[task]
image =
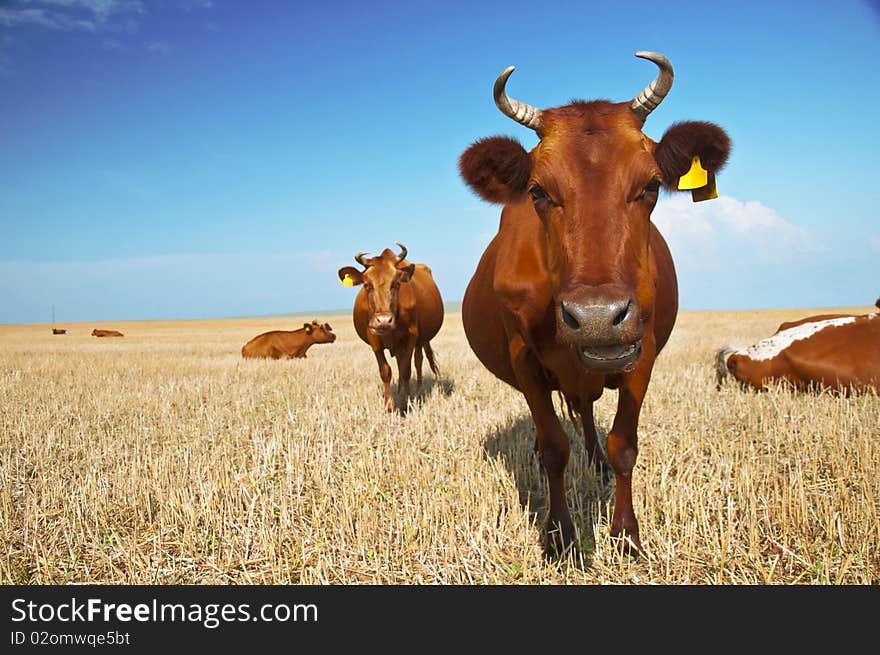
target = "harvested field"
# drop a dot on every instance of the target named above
(164, 457)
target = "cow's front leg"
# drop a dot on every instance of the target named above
(552, 445)
(385, 374)
(623, 448)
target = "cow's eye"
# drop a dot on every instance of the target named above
(368, 286)
(651, 188)
(538, 194)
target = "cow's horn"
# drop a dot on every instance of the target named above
(359, 258)
(518, 111)
(402, 254)
(653, 94)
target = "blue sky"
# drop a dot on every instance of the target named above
(210, 158)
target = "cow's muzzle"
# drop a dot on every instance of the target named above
(381, 322)
(604, 324)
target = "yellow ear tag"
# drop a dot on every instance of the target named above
(707, 192)
(347, 281)
(694, 178)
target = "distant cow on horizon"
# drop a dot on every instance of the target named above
(59, 331)
(288, 344)
(837, 352)
(106, 333)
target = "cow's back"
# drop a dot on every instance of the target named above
(257, 347)
(809, 319)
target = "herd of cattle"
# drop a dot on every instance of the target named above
(577, 291)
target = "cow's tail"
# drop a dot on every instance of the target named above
(721, 365)
(432, 358)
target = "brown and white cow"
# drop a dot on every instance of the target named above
(106, 333)
(399, 309)
(835, 352)
(288, 344)
(577, 291)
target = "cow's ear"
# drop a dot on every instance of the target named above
(308, 327)
(682, 142)
(406, 272)
(497, 169)
(350, 276)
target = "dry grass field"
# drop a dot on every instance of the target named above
(163, 457)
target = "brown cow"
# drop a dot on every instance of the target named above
(834, 352)
(59, 331)
(399, 309)
(577, 291)
(106, 333)
(288, 344)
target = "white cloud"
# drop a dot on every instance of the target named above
(68, 15)
(100, 9)
(43, 18)
(706, 234)
(96, 16)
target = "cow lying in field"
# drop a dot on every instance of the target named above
(59, 331)
(106, 333)
(837, 352)
(288, 344)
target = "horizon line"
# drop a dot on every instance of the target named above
(450, 307)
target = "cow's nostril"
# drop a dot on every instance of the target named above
(569, 319)
(621, 317)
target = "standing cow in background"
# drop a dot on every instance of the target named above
(288, 344)
(577, 291)
(398, 309)
(834, 352)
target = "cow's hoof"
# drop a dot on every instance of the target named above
(559, 539)
(628, 544)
